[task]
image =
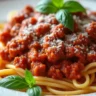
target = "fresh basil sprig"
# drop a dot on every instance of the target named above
(58, 7)
(17, 82)
(58, 3)
(46, 6)
(74, 6)
(35, 91)
(64, 17)
(29, 78)
(13, 82)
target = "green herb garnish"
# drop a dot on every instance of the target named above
(35, 91)
(62, 10)
(64, 17)
(17, 83)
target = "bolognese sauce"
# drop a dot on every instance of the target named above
(41, 44)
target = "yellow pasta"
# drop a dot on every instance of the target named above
(5, 72)
(49, 86)
(68, 88)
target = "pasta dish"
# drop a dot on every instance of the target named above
(62, 61)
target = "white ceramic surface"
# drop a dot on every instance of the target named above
(9, 5)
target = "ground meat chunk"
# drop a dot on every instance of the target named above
(54, 48)
(92, 15)
(32, 20)
(18, 18)
(29, 8)
(51, 19)
(55, 52)
(16, 46)
(55, 72)
(34, 55)
(48, 41)
(15, 29)
(38, 69)
(29, 21)
(76, 27)
(21, 62)
(91, 57)
(4, 54)
(42, 28)
(35, 45)
(81, 40)
(76, 53)
(80, 14)
(92, 46)
(23, 14)
(72, 71)
(5, 34)
(58, 31)
(91, 29)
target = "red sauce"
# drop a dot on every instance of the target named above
(44, 46)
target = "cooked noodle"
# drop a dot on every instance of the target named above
(57, 87)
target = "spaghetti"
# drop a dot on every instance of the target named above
(82, 77)
(68, 88)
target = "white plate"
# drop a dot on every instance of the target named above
(9, 5)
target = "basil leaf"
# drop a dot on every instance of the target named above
(74, 6)
(58, 3)
(13, 82)
(46, 6)
(35, 91)
(65, 17)
(29, 78)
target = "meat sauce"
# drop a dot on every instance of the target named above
(41, 44)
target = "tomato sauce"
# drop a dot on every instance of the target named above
(41, 44)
